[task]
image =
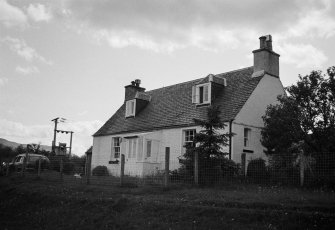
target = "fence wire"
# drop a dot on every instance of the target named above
(312, 170)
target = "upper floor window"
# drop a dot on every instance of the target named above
(201, 94)
(130, 108)
(116, 147)
(189, 137)
(247, 136)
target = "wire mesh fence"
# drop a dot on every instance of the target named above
(312, 170)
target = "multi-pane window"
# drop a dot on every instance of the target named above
(130, 108)
(132, 148)
(247, 133)
(201, 93)
(189, 137)
(149, 143)
(116, 148)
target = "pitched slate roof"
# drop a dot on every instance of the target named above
(172, 106)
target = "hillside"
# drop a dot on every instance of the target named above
(14, 144)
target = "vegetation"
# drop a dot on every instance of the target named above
(257, 170)
(100, 170)
(38, 204)
(302, 126)
(307, 114)
(207, 144)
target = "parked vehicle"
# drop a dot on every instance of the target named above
(32, 163)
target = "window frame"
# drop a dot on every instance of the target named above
(131, 148)
(185, 135)
(148, 150)
(200, 89)
(116, 147)
(130, 108)
(246, 137)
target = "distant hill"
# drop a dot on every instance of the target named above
(14, 144)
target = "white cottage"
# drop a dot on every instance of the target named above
(149, 121)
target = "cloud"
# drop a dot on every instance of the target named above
(210, 25)
(11, 15)
(3, 81)
(82, 137)
(27, 70)
(24, 51)
(302, 55)
(315, 22)
(39, 12)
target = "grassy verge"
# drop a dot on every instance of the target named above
(37, 204)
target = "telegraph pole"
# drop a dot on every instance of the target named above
(55, 130)
(70, 143)
(56, 120)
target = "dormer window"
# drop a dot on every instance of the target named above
(201, 94)
(130, 108)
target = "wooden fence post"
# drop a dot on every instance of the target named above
(122, 169)
(196, 168)
(39, 167)
(302, 172)
(61, 168)
(88, 168)
(167, 166)
(7, 169)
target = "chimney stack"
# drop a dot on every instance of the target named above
(265, 60)
(132, 89)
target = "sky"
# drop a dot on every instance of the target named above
(72, 59)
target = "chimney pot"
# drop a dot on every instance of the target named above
(132, 89)
(262, 42)
(137, 82)
(265, 60)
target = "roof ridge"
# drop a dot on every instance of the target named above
(195, 80)
(233, 71)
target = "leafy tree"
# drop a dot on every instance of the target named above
(6, 153)
(207, 144)
(305, 117)
(306, 114)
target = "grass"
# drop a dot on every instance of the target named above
(32, 203)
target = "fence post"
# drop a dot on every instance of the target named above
(61, 168)
(39, 167)
(196, 168)
(7, 169)
(122, 169)
(88, 168)
(167, 166)
(302, 172)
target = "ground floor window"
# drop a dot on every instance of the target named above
(116, 148)
(189, 135)
(132, 148)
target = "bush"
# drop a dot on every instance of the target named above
(257, 170)
(100, 170)
(229, 168)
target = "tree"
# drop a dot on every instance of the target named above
(305, 117)
(208, 145)
(306, 114)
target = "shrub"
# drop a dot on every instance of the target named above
(229, 168)
(100, 170)
(257, 170)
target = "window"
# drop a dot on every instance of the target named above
(130, 108)
(132, 148)
(247, 133)
(189, 137)
(116, 148)
(201, 94)
(149, 143)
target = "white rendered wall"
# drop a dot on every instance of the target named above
(250, 116)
